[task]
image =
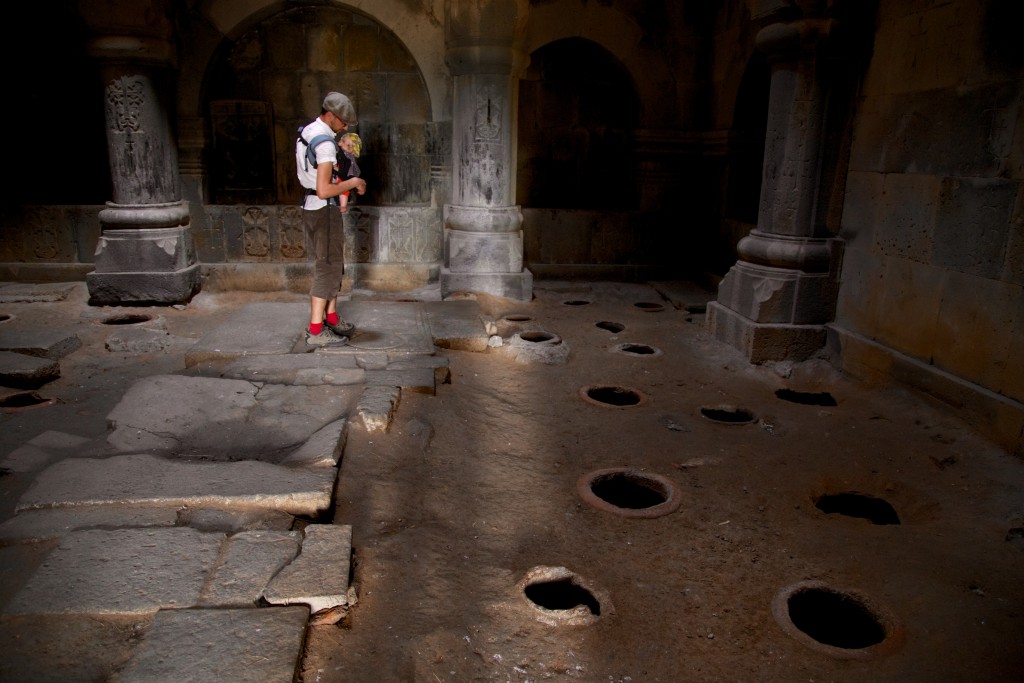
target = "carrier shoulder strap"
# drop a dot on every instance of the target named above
(311, 146)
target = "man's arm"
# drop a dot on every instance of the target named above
(326, 190)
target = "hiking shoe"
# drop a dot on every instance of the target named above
(325, 338)
(343, 328)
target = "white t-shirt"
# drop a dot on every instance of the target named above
(325, 153)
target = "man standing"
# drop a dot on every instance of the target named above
(322, 221)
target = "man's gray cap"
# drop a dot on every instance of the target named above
(340, 106)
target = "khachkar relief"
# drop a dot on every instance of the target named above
(293, 239)
(125, 99)
(487, 118)
(255, 233)
(484, 166)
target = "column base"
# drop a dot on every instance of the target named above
(143, 287)
(518, 286)
(764, 342)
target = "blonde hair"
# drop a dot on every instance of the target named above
(357, 142)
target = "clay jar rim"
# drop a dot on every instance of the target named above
(891, 625)
(584, 393)
(671, 503)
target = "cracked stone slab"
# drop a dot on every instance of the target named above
(31, 293)
(21, 371)
(31, 526)
(39, 450)
(318, 577)
(323, 449)
(66, 647)
(234, 521)
(247, 562)
(123, 571)
(421, 380)
(137, 340)
(42, 342)
(456, 325)
(297, 368)
(377, 405)
(221, 418)
(259, 328)
(217, 645)
(143, 479)
(384, 327)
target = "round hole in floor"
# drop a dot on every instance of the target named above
(613, 396)
(4, 317)
(127, 319)
(576, 302)
(629, 492)
(849, 504)
(16, 403)
(726, 414)
(807, 398)
(540, 337)
(560, 596)
(517, 318)
(614, 328)
(839, 623)
(649, 306)
(636, 350)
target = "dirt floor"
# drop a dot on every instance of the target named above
(483, 553)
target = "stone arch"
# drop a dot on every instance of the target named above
(268, 79)
(578, 113)
(745, 157)
(620, 35)
(424, 40)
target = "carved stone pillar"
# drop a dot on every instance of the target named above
(483, 237)
(145, 253)
(775, 301)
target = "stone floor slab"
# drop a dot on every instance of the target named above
(456, 325)
(150, 480)
(226, 419)
(30, 526)
(42, 342)
(323, 449)
(124, 571)
(261, 328)
(214, 646)
(26, 372)
(318, 577)
(247, 562)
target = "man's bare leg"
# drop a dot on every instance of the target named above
(318, 307)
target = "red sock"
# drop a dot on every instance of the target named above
(316, 329)
(332, 318)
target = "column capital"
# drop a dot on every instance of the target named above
(784, 41)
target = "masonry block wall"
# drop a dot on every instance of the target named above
(934, 210)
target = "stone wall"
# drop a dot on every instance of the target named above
(933, 277)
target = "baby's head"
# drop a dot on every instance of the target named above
(351, 143)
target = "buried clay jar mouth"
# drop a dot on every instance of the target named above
(18, 403)
(560, 597)
(629, 492)
(610, 396)
(839, 623)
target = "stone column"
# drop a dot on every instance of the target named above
(145, 253)
(483, 237)
(775, 301)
